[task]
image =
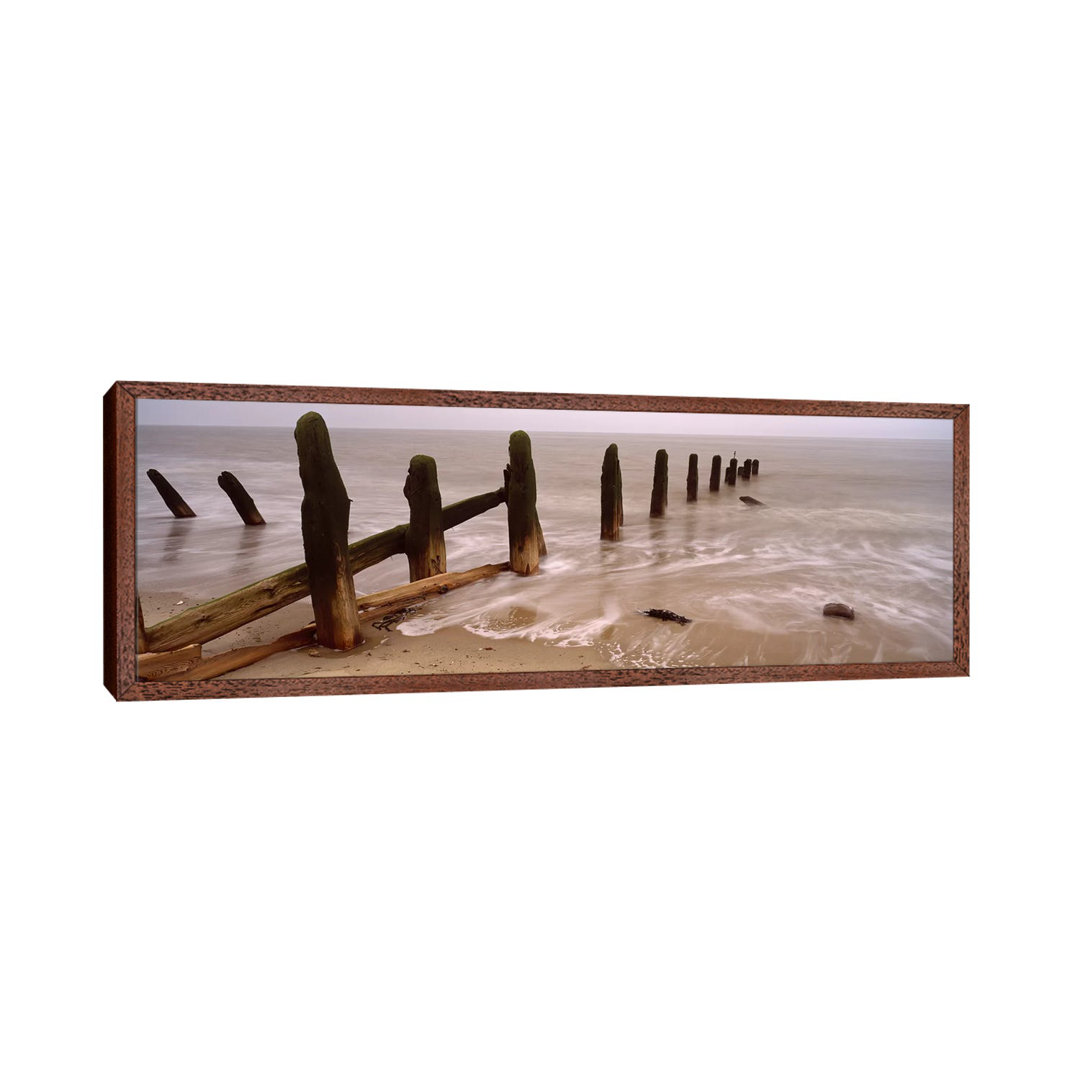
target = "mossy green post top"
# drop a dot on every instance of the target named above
(526, 539)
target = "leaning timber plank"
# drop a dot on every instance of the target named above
(377, 606)
(156, 666)
(224, 614)
(432, 586)
(238, 658)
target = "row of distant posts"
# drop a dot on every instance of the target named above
(611, 495)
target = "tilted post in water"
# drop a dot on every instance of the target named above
(746, 470)
(171, 496)
(324, 521)
(244, 503)
(523, 523)
(659, 485)
(732, 472)
(691, 479)
(610, 494)
(425, 544)
(754, 467)
(714, 475)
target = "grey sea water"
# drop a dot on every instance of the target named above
(866, 522)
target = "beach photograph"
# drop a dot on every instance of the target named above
(292, 540)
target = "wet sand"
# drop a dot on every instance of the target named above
(384, 652)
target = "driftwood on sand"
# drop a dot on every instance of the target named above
(667, 616)
(156, 667)
(225, 662)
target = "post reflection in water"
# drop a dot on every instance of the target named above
(174, 542)
(250, 539)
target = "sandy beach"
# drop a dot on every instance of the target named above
(384, 652)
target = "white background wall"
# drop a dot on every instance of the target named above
(830, 201)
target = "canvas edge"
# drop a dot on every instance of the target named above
(961, 540)
(537, 680)
(119, 546)
(515, 399)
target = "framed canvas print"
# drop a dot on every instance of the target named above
(283, 540)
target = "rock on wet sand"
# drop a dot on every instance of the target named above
(841, 611)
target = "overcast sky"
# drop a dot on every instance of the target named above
(431, 417)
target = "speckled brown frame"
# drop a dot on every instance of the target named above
(119, 547)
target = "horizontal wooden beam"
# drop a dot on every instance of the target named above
(462, 511)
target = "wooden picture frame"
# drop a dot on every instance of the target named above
(122, 626)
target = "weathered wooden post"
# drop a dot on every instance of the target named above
(732, 472)
(244, 503)
(324, 522)
(691, 479)
(618, 488)
(714, 475)
(610, 494)
(746, 469)
(659, 485)
(171, 496)
(526, 538)
(425, 544)
(754, 467)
